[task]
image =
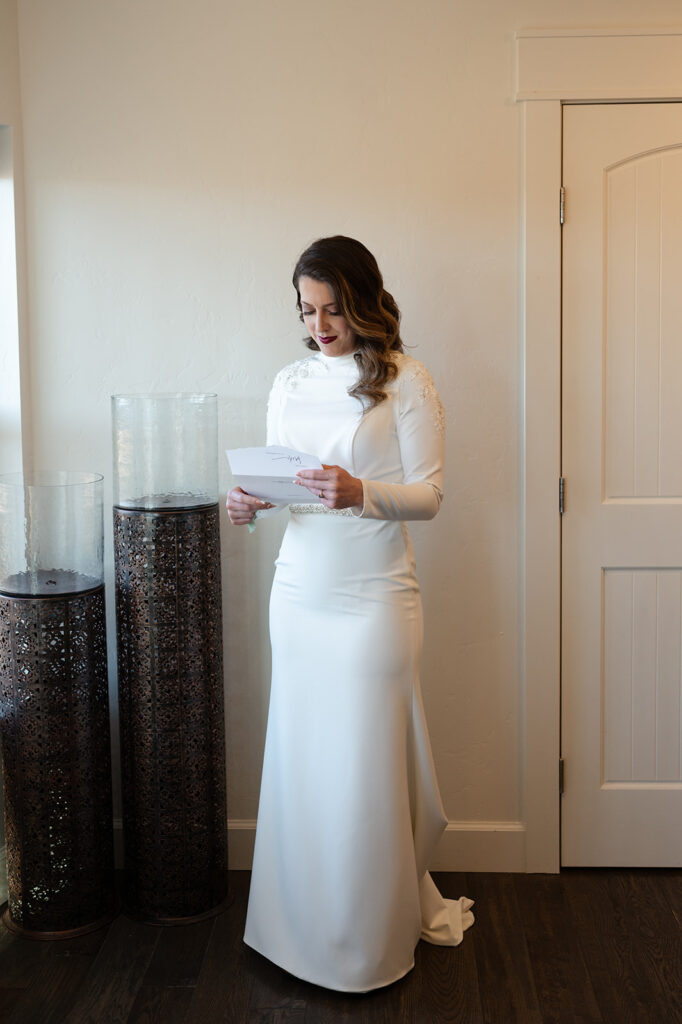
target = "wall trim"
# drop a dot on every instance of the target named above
(599, 64)
(465, 846)
(590, 33)
(553, 68)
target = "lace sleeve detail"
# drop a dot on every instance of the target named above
(422, 392)
(288, 378)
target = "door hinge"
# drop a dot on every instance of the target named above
(561, 776)
(562, 493)
(562, 204)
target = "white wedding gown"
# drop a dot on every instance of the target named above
(349, 810)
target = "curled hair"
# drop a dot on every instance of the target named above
(354, 277)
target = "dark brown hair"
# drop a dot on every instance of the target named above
(353, 275)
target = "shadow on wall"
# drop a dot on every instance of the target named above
(247, 570)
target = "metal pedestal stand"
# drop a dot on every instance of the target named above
(169, 634)
(54, 722)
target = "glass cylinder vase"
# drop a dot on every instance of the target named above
(54, 704)
(165, 450)
(169, 638)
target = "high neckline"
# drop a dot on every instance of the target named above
(339, 362)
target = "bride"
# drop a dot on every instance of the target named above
(349, 810)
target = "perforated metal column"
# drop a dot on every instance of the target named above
(169, 630)
(54, 723)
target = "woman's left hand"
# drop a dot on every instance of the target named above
(336, 487)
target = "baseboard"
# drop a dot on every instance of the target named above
(481, 846)
(465, 846)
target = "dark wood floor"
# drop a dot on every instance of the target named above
(581, 947)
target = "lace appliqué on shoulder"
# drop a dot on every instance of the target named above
(289, 377)
(426, 393)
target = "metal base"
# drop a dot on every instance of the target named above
(169, 634)
(54, 725)
(69, 933)
(172, 922)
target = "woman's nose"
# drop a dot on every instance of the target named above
(321, 322)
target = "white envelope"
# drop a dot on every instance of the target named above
(268, 473)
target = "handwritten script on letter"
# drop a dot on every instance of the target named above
(263, 473)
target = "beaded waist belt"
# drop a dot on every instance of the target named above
(298, 509)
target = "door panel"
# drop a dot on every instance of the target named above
(622, 461)
(643, 239)
(642, 639)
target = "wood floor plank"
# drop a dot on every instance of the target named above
(326, 1007)
(390, 1004)
(54, 988)
(445, 978)
(10, 998)
(562, 980)
(223, 990)
(650, 897)
(48, 974)
(445, 986)
(83, 945)
(660, 941)
(20, 958)
(110, 986)
(156, 1004)
(545, 949)
(178, 955)
(671, 883)
(275, 994)
(506, 984)
(621, 946)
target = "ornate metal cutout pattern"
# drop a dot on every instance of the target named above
(54, 723)
(169, 631)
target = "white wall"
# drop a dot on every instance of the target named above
(178, 158)
(10, 98)
(11, 247)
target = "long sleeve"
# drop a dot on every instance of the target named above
(420, 425)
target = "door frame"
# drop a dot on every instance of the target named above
(552, 68)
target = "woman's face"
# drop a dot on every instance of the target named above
(321, 316)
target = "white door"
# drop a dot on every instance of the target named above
(621, 730)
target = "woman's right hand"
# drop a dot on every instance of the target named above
(242, 507)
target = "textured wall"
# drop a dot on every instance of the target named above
(10, 99)
(10, 149)
(178, 158)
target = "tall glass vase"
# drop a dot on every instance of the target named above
(54, 705)
(169, 634)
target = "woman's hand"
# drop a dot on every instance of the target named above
(242, 507)
(336, 487)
